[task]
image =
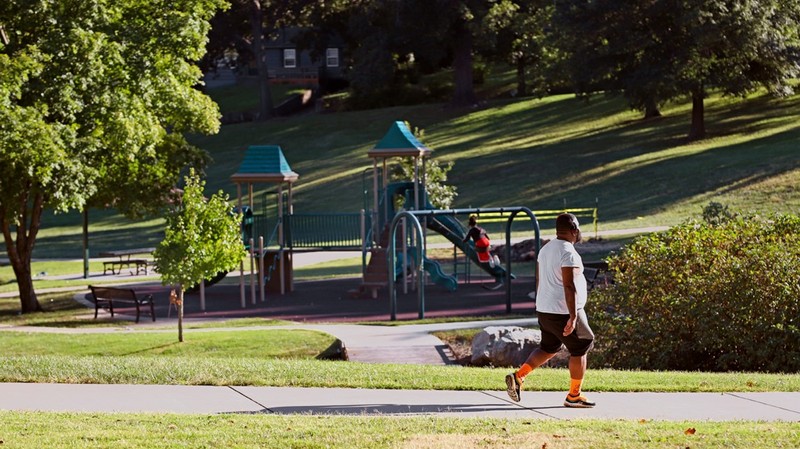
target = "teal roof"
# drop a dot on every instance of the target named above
(264, 163)
(399, 141)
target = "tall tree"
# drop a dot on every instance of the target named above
(202, 238)
(95, 97)
(657, 50)
(518, 32)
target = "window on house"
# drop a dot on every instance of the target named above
(332, 57)
(289, 58)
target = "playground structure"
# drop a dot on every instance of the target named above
(372, 231)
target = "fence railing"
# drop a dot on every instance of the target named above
(325, 230)
(585, 212)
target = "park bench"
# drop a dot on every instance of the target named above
(596, 273)
(124, 260)
(106, 297)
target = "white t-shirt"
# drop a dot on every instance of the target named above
(550, 294)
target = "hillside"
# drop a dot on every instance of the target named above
(539, 153)
(543, 153)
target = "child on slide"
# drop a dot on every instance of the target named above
(482, 243)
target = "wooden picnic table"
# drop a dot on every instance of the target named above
(124, 260)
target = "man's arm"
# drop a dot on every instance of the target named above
(568, 276)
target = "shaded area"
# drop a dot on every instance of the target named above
(329, 301)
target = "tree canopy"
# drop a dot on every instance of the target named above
(95, 97)
(656, 50)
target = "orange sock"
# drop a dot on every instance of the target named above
(575, 387)
(523, 371)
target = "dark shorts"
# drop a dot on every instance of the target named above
(552, 327)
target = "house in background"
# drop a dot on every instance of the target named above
(286, 64)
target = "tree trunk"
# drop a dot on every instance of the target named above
(257, 25)
(522, 86)
(20, 249)
(180, 313)
(698, 128)
(464, 91)
(29, 303)
(651, 109)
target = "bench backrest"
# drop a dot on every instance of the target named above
(113, 293)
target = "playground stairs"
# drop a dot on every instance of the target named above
(376, 275)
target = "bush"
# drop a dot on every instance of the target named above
(703, 296)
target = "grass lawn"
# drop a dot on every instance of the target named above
(222, 353)
(75, 430)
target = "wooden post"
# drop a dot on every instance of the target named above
(252, 273)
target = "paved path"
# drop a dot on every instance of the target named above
(357, 402)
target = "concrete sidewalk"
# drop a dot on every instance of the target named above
(343, 401)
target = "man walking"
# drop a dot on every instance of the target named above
(560, 298)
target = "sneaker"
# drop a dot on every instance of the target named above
(578, 402)
(512, 387)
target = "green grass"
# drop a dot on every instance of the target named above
(220, 353)
(248, 344)
(350, 267)
(54, 430)
(539, 153)
(234, 99)
(294, 372)
(70, 273)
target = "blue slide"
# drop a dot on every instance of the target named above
(434, 269)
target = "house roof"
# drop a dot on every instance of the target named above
(399, 141)
(264, 163)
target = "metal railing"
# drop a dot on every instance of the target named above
(541, 215)
(325, 230)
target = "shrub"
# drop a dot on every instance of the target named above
(702, 296)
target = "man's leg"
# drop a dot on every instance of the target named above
(577, 369)
(514, 380)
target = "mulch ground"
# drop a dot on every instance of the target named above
(331, 301)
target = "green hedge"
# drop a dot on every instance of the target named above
(717, 296)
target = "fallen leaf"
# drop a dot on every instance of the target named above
(172, 427)
(690, 431)
(544, 445)
(644, 421)
(558, 436)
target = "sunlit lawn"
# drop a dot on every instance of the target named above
(94, 430)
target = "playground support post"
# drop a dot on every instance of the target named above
(241, 285)
(363, 224)
(261, 268)
(252, 272)
(532, 216)
(392, 255)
